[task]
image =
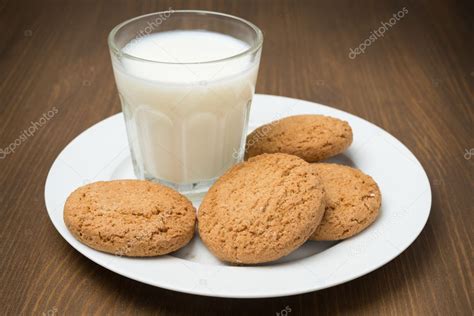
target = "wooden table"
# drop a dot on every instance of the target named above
(416, 82)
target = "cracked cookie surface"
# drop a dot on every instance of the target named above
(353, 201)
(262, 209)
(130, 217)
(311, 137)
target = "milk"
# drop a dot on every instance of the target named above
(186, 123)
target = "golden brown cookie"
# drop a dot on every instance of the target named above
(353, 201)
(262, 209)
(311, 137)
(130, 217)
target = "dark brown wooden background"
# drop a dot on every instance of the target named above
(417, 82)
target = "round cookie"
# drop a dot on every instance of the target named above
(262, 209)
(311, 137)
(130, 217)
(353, 201)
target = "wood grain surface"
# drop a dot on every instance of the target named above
(416, 82)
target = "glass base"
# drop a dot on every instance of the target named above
(193, 191)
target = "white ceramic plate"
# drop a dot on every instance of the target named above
(101, 153)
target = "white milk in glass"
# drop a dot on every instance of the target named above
(186, 118)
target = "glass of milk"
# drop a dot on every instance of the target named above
(186, 81)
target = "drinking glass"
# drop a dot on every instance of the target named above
(186, 120)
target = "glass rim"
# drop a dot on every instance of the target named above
(253, 48)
